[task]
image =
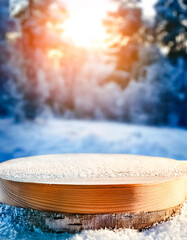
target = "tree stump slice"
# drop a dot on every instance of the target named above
(77, 222)
(92, 191)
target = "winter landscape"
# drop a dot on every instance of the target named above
(93, 77)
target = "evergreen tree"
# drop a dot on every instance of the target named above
(10, 96)
(41, 23)
(171, 32)
(125, 36)
(171, 26)
(123, 27)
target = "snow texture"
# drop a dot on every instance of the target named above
(87, 168)
(57, 136)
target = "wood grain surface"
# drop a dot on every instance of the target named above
(123, 195)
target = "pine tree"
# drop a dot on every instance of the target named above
(9, 91)
(40, 35)
(171, 26)
(124, 30)
(123, 27)
(171, 32)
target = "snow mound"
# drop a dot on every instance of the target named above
(83, 168)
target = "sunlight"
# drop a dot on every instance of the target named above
(84, 26)
(54, 53)
(85, 31)
(55, 56)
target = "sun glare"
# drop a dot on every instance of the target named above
(55, 56)
(84, 27)
(84, 33)
(55, 53)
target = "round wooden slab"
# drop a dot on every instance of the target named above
(95, 184)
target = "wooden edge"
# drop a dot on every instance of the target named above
(183, 165)
(95, 199)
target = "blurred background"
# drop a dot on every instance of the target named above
(65, 63)
(92, 76)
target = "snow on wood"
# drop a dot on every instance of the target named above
(88, 168)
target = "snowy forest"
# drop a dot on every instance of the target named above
(139, 76)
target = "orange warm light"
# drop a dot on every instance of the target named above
(55, 56)
(54, 27)
(83, 26)
(55, 53)
(49, 25)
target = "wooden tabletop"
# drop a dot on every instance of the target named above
(97, 194)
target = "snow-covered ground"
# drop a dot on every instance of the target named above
(72, 136)
(65, 136)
